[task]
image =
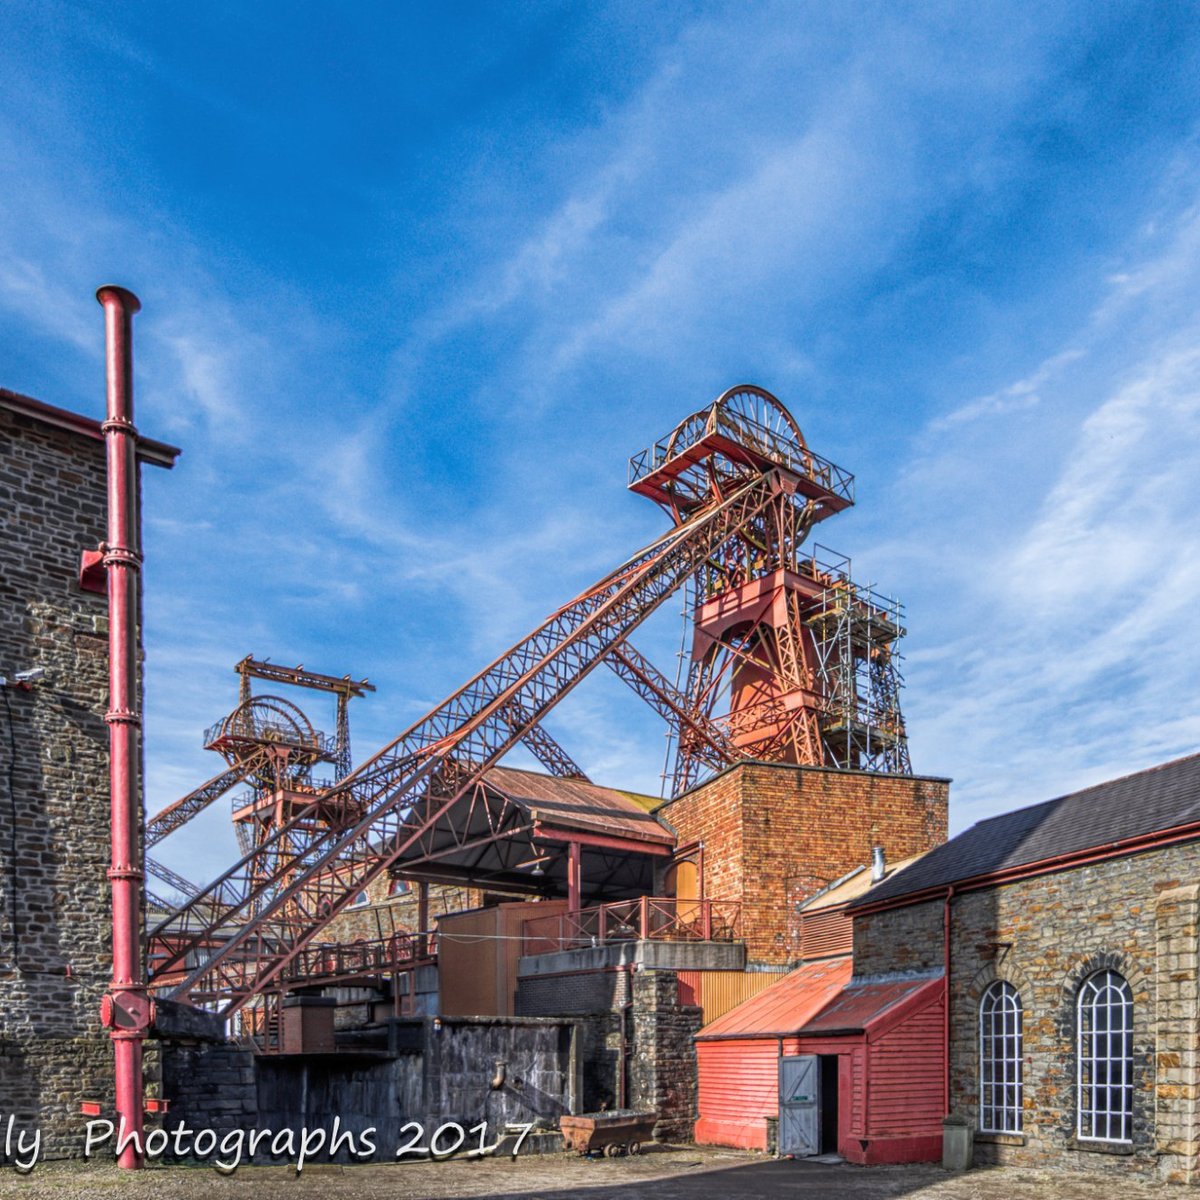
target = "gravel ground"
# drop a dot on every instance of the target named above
(661, 1173)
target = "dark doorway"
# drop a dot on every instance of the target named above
(829, 1103)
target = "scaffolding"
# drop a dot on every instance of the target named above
(855, 631)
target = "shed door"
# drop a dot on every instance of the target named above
(799, 1104)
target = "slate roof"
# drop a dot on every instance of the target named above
(1160, 798)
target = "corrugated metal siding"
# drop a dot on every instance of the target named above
(825, 932)
(907, 1066)
(718, 991)
(786, 1005)
(739, 1088)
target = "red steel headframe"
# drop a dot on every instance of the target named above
(251, 923)
(125, 1010)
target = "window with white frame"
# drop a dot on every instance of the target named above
(1105, 1054)
(1000, 1059)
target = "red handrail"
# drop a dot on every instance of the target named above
(650, 918)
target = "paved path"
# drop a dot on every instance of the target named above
(674, 1173)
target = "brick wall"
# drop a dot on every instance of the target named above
(52, 1050)
(775, 834)
(577, 993)
(1137, 915)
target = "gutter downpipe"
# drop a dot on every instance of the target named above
(126, 1008)
(946, 999)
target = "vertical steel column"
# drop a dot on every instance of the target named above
(574, 877)
(126, 1007)
(423, 917)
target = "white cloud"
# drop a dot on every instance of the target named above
(1025, 393)
(1062, 656)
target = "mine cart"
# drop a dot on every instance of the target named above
(621, 1131)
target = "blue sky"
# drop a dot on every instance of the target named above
(418, 279)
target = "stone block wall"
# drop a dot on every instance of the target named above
(55, 922)
(1137, 915)
(210, 1085)
(899, 940)
(385, 914)
(1177, 1033)
(598, 1001)
(775, 834)
(631, 1023)
(663, 1068)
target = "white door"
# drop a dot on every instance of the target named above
(799, 1105)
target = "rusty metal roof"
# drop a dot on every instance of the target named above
(575, 804)
(865, 1004)
(784, 1007)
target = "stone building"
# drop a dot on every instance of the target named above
(55, 917)
(1068, 935)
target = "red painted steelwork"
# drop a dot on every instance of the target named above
(126, 1007)
(148, 450)
(404, 800)
(790, 660)
(651, 918)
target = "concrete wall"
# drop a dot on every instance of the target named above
(1137, 915)
(774, 835)
(55, 963)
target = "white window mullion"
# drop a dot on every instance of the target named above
(1104, 1075)
(1000, 1059)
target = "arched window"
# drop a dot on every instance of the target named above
(360, 901)
(399, 887)
(1105, 1058)
(1000, 1059)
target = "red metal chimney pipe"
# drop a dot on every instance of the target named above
(125, 1010)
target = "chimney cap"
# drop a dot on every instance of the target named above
(878, 864)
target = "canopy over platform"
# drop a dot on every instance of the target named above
(519, 832)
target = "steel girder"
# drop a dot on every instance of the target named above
(181, 811)
(394, 801)
(164, 874)
(705, 741)
(543, 747)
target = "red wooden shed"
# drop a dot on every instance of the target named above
(877, 1051)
